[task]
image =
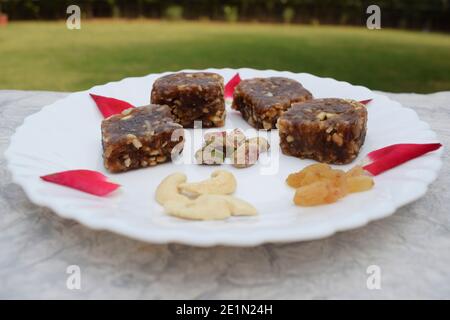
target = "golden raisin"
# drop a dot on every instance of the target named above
(356, 171)
(359, 184)
(308, 175)
(319, 184)
(338, 181)
(317, 167)
(333, 193)
(311, 195)
(294, 180)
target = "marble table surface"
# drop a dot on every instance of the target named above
(411, 249)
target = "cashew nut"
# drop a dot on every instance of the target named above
(212, 203)
(238, 206)
(202, 208)
(168, 189)
(221, 182)
(210, 207)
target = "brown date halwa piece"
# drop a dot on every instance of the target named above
(140, 137)
(262, 100)
(325, 130)
(192, 96)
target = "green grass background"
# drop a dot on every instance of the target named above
(47, 56)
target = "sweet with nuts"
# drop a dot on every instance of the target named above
(140, 137)
(192, 96)
(262, 100)
(325, 130)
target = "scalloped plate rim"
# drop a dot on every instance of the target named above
(175, 236)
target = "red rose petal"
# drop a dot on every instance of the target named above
(365, 102)
(421, 148)
(110, 106)
(229, 87)
(394, 155)
(89, 181)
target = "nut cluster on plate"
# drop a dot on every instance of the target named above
(209, 199)
(243, 151)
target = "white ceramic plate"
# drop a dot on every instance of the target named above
(66, 135)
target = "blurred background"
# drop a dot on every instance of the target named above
(122, 38)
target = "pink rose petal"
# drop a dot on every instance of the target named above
(391, 156)
(110, 106)
(229, 87)
(365, 102)
(88, 181)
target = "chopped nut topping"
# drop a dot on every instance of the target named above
(322, 116)
(338, 139)
(161, 159)
(136, 143)
(126, 118)
(154, 152)
(131, 136)
(127, 111)
(267, 125)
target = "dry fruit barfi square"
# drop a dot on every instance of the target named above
(140, 137)
(196, 96)
(262, 100)
(326, 130)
